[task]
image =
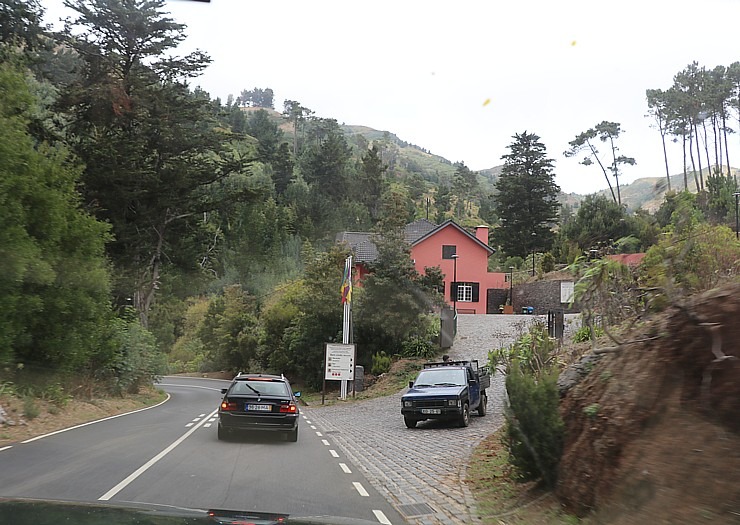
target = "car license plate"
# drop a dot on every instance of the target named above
(262, 408)
(431, 411)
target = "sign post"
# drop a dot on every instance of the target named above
(339, 364)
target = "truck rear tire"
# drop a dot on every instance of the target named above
(465, 416)
(410, 422)
(482, 405)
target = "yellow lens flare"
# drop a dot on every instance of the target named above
(486, 102)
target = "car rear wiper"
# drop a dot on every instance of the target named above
(250, 387)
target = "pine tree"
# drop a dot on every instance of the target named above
(526, 201)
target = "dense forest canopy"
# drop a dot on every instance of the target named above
(142, 218)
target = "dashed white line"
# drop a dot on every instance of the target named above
(201, 415)
(206, 425)
(360, 488)
(325, 442)
(138, 472)
(319, 433)
(345, 468)
(212, 420)
(6, 448)
(190, 424)
(334, 453)
(196, 420)
(307, 421)
(304, 417)
(382, 518)
(313, 427)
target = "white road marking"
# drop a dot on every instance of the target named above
(190, 386)
(325, 442)
(382, 518)
(206, 425)
(96, 421)
(345, 468)
(6, 448)
(313, 427)
(307, 421)
(190, 424)
(196, 420)
(334, 453)
(304, 417)
(360, 488)
(319, 433)
(212, 420)
(138, 472)
(201, 415)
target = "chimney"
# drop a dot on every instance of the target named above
(481, 233)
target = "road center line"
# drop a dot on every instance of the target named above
(325, 442)
(6, 448)
(334, 453)
(319, 433)
(345, 468)
(382, 518)
(360, 488)
(138, 472)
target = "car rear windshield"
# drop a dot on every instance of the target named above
(268, 388)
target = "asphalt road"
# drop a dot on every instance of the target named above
(169, 455)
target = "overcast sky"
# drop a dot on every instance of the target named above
(459, 78)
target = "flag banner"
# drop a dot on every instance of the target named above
(346, 290)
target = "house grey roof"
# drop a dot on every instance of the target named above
(418, 229)
(361, 244)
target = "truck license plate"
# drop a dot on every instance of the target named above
(431, 411)
(263, 408)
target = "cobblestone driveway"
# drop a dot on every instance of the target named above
(421, 471)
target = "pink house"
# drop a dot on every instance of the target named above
(461, 255)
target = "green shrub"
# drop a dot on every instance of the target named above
(30, 408)
(381, 363)
(137, 361)
(418, 346)
(534, 429)
(583, 334)
(55, 394)
(548, 263)
(592, 410)
(535, 351)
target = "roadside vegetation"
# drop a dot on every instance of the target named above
(541, 467)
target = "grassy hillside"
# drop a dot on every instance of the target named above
(412, 161)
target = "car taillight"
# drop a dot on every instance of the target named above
(228, 405)
(289, 409)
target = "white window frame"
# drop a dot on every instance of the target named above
(464, 293)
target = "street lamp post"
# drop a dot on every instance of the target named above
(737, 225)
(534, 234)
(511, 285)
(454, 283)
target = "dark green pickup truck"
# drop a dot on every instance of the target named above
(447, 390)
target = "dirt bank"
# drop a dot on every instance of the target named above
(653, 431)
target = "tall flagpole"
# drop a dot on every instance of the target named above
(347, 319)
